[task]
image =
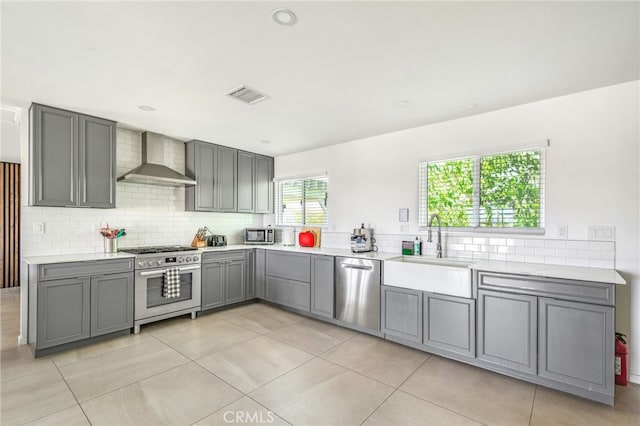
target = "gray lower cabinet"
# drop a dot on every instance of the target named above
(576, 344)
(223, 278)
(250, 271)
(63, 311)
(288, 279)
(69, 302)
(402, 313)
(507, 330)
(73, 159)
(449, 324)
(322, 285)
(260, 272)
(111, 303)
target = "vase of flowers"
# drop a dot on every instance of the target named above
(111, 238)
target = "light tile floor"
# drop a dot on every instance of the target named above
(257, 364)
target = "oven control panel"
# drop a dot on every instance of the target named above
(166, 261)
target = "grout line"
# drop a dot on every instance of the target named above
(71, 391)
(533, 403)
(269, 409)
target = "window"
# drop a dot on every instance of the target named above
(302, 201)
(495, 191)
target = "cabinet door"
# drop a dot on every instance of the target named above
(234, 281)
(111, 303)
(293, 266)
(263, 184)
(295, 294)
(507, 330)
(54, 157)
(577, 344)
(227, 179)
(260, 276)
(449, 323)
(205, 175)
(322, 285)
(97, 162)
(250, 276)
(213, 277)
(63, 311)
(402, 313)
(246, 181)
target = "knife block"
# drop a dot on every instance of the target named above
(197, 242)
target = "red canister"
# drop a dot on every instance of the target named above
(306, 239)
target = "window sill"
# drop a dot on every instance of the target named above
(480, 230)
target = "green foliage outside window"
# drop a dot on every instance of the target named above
(450, 189)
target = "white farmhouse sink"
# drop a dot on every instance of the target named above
(443, 276)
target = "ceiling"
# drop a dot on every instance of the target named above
(345, 71)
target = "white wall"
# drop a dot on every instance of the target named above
(10, 140)
(592, 173)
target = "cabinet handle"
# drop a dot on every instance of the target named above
(363, 267)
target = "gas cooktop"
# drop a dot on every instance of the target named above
(157, 249)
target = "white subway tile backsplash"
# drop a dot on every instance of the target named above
(577, 261)
(525, 250)
(515, 242)
(590, 254)
(534, 243)
(545, 252)
(534, 259)
(555, 260)
(515, 258)
(496, 256)
(578, 244)
(555, 244)
(595, 263)
(600, 245)
(479, 241)
(569, 252)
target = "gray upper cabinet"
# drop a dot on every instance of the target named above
(97, 162)
(246, 181)
(111, 303)
(263, 188)
(228, 180)
(200, 158)
(576, 344)
(63, 311)
(322, 285)
(402, 313)
(507, 330)
(72, 159)
(226, 170)
(449, 324)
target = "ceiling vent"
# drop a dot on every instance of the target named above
(247, 95)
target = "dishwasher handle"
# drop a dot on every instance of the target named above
(363, 267)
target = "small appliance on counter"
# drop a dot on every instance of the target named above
(289, 236)
(259, 236)
(362, 240)
(216, 240)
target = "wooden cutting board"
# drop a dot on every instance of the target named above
(316, 232)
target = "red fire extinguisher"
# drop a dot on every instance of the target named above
(621, 360)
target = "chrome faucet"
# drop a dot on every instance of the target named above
(429, 238)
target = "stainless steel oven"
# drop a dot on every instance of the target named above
(151, 267)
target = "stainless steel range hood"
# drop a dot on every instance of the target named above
(152, 171)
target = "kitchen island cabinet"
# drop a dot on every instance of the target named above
(73, 159)
(78, 302)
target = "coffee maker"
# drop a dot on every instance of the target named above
(362, 240)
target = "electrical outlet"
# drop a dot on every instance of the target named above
(403, 215)
(602, 233)
(563, 231)
(38, 228)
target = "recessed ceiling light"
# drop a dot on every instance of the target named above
(265, 141)
(284, 17)
(402, 104)
(471, 106)
(146, 108)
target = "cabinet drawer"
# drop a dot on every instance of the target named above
(580, 291)
(53, 271)
(223, 256)
(293, 266)
(294, 294)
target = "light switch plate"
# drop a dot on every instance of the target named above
(403, 215)
(602, 233)
(38, 228)
(563, 231)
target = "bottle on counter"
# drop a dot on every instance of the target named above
(417, 247)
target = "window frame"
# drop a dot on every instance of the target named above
(423, 217)
(278, 200)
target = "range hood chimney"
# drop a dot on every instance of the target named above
(152, 171)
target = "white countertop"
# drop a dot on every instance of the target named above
(310, 250)
(600, 275)
(78, 257)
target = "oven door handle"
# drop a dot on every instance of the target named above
(161, 271)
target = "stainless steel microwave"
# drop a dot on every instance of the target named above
(259, 236)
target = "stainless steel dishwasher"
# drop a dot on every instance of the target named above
(358, 292)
